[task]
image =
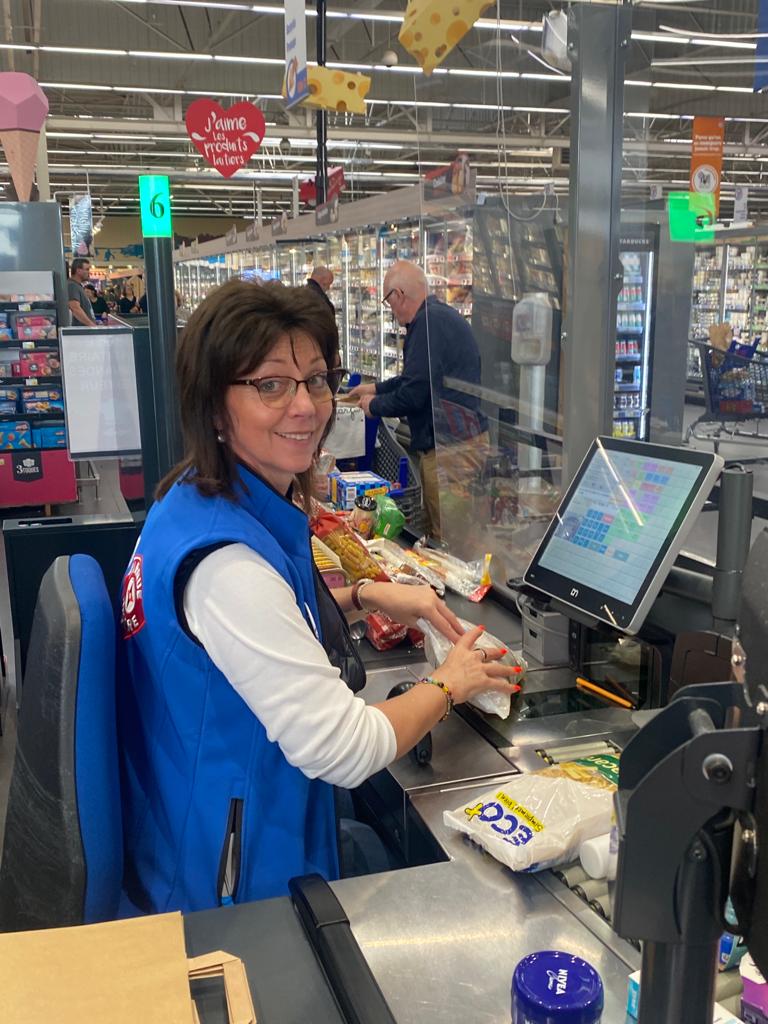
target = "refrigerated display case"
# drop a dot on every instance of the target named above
(634, 333)
(397, 242)
(362, 306)
(448, 253)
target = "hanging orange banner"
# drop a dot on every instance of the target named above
(707, 156)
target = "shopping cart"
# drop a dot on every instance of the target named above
(393, 462)
(735, 395)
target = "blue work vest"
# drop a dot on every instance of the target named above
(201, 782)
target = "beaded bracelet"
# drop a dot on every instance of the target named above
(446, 692)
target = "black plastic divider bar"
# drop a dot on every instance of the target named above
(326, 926)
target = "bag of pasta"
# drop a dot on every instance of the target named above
(536, 821)
(354, 557)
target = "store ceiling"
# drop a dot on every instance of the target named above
(119, 75)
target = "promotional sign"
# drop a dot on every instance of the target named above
(707, 157)
(81, 225)
(691, 216)
(280, 224)
(334, 187)
(230, 239)
(740, 202)
(327, 213)
(657, 192)
(226, 139)
(252, 232)
(155, 206)
(296, 84)
(455, 179)
(194, 247)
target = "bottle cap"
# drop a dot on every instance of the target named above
(366, 503)
(553, 987)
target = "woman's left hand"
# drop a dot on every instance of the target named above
(405, 603)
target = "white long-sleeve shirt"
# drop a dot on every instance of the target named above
(246, 617)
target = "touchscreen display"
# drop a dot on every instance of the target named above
(618, 520)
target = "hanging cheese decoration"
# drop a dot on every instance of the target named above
(431, 28)
(331, 89)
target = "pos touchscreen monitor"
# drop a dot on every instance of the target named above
(619, 528)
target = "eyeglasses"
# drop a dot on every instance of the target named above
(280, 391)
(389, 293)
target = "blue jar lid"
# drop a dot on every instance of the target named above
(552, 987)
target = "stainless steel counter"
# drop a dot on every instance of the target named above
(443, 939)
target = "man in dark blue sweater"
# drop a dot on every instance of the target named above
(439, 355)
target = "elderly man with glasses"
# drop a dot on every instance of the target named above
(439, 345)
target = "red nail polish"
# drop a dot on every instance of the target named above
(517, 669)
(503, 651)
(516, 688)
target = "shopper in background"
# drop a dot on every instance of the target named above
(234, 726)
(128, 306)
(79, 303)
(320, 281)
(98, 302)
(439, 343)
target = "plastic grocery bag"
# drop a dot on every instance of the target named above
(437, 648)
(538, 821)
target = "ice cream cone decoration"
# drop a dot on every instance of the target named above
(23, 108)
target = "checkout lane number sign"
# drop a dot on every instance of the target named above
(155, 205)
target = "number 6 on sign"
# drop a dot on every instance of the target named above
(155, 203)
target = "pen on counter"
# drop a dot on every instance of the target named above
(598, 691)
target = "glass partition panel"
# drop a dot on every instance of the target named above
(493, 236)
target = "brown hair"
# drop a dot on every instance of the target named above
(229, 335)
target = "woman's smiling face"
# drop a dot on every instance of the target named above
(279, 442)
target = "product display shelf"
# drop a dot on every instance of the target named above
(706, 305)
(448, 251)
(738, 291)
(634, 314)
(538, 267)
(759, 311)
(34, 461)
(495, 270)
(362, 307)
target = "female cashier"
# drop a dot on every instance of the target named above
(234, 726)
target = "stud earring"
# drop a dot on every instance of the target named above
(220, 438)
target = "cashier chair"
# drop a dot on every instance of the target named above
(62, 851)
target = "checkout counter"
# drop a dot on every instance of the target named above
(443, 935)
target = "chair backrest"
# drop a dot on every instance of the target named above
(62, 851)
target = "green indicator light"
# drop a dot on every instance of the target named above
(155, 204)
(691, 216)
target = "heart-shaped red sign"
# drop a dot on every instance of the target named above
(226, 139)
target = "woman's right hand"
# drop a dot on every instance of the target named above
(468, 670)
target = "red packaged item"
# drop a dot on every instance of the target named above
(37, 364)
(382, 632)
(354, 557)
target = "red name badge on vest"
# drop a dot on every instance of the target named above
(132, 620)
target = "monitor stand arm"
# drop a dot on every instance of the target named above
(684, 779)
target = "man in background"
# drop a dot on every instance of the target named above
(98, 302)
(320, 280)
(439, 344)
(79, 304)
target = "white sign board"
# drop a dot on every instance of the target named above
(296, 83)
(347, 437)
(101, 403)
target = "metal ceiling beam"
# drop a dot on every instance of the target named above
(421, 140)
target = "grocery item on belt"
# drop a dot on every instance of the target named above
(363, 515)
(552, 986)
(470, 579)
(389, 518)
(355, 560)
(402, 567)
(437, 649)
(540, 820)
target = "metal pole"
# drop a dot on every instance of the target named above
(734, 531)
(43, 178)
(161, 306)
(598, 40)
(321, 179)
